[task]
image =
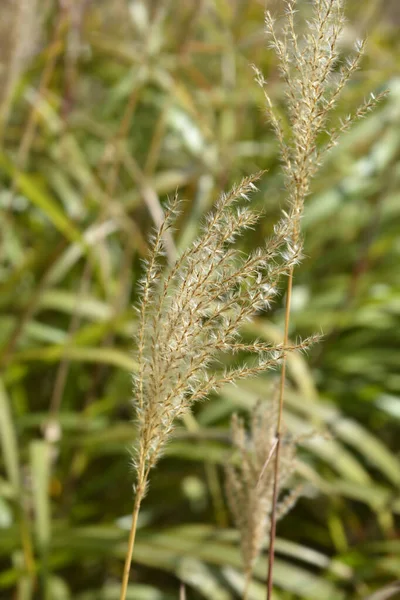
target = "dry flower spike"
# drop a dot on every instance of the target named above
(250, 481)
(308, 66)
(192, 313)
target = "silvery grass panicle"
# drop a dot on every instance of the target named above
(314, 79)
(250, 481)
(192, 313)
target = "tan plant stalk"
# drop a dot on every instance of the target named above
(191, 313)
(250, 482)
(307, 66)
(277, 458)
(19, 32)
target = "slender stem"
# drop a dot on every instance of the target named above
(140, 489)
(272, 536)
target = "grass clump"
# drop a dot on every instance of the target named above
(116, 107)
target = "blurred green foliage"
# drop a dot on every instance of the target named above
(120, 104)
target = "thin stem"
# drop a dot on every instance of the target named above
(272, 536)
(33, 119)
(182, 592)
(140, 490)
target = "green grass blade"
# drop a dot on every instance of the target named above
(8, 438)
(40, 469)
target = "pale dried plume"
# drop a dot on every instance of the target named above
(250, 481)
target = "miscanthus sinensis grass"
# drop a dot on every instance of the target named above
(314, 79)
(191, 314)
(250, 478)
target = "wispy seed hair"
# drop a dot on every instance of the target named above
(193, 312)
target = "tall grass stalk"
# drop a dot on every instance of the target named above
(308, 67)
(249, 481)
(191, 313)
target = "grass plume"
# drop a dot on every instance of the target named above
(191, 314)
(313, 85)
(250, 482)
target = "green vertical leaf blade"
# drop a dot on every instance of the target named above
(8, 437)
(40, 465)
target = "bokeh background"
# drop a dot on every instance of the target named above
(106, 108)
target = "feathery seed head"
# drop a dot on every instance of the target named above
(192, 313)
(307, 65)
(249, 479)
